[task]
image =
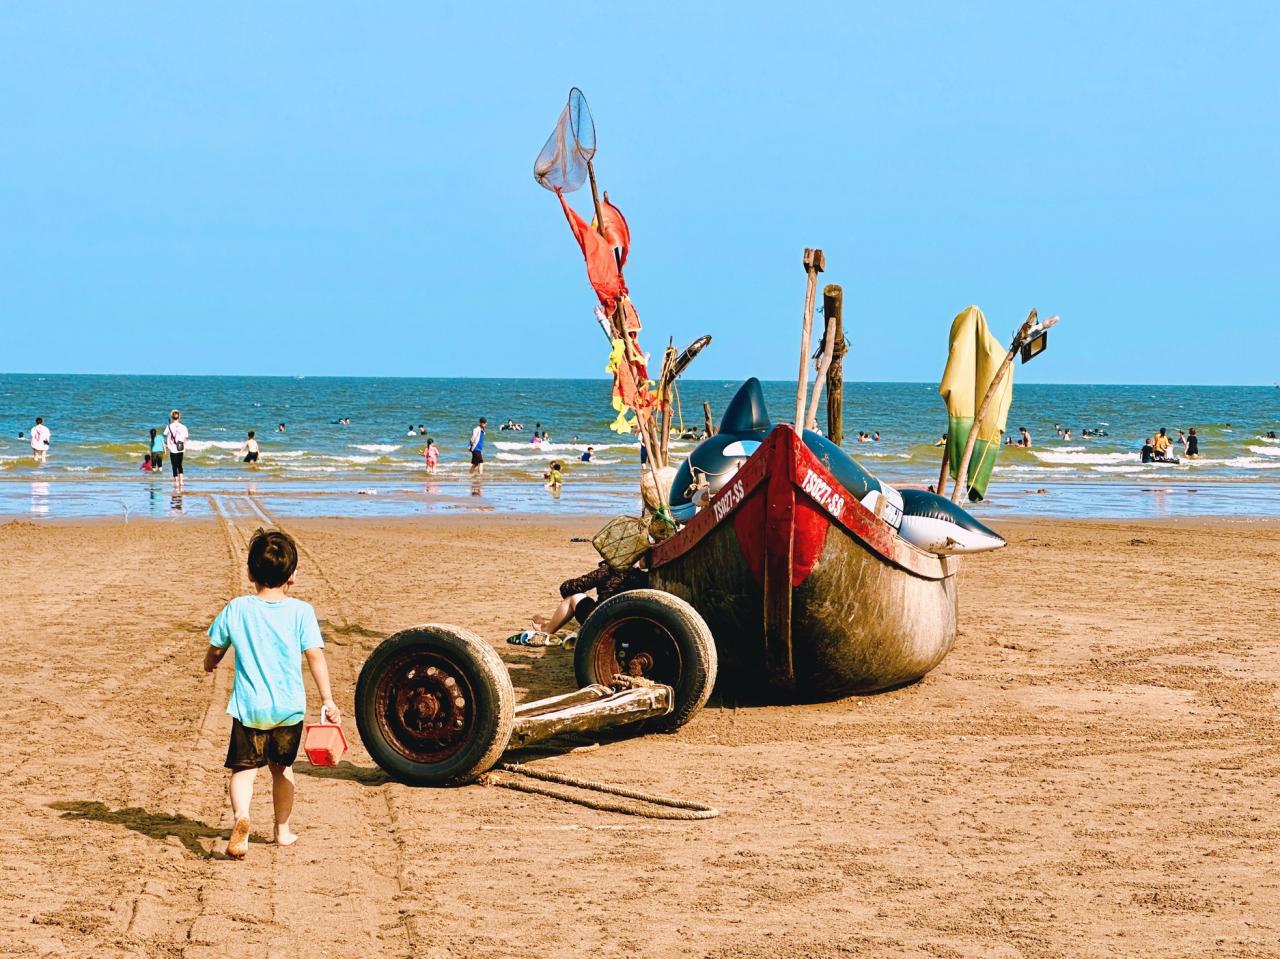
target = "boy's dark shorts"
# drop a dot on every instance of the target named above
(476, 457)
(253, 748)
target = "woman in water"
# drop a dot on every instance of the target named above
(1193, 445)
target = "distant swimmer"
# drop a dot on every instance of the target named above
(863, 437)
(586, 457)
(1025, 438)
(249, 448)
(40, 441)
(508, 425)
(877, 436)
(942, 440)
(412, 431)
(537, 437)
(280, 427)
(422, 430)
(1066, 435)
(1271, 434)
(1193, 445)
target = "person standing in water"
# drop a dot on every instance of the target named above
(40, 437)
(430, 455)
(1193, 445)
(157, 449)
(175, 442)
(249, 449)
(476, 446)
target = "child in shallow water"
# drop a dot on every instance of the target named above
(554, 476)
(271, 633)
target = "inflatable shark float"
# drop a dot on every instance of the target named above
(924, 519)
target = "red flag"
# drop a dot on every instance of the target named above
(616, 230)
(602, 267)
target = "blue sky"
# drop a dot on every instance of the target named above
(330, 188)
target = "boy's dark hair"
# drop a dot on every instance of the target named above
(273, 556)
(250, 434)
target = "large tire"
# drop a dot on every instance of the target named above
(657, 636)
(434, 706)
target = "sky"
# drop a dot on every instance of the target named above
(327, 188)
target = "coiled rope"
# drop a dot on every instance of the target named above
(665, 808)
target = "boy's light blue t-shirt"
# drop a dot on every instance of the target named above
(269, 639)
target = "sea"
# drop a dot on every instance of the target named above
(314, 463)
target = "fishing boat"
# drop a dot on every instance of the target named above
(808, 593)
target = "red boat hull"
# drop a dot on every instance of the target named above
(808, 593)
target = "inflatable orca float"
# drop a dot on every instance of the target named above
(924, 519)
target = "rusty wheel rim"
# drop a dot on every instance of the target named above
(637, 646)
(425, 707)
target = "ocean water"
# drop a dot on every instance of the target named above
(100, 427)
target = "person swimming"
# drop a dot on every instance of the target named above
(586, 457)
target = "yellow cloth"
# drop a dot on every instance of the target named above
(975, 356)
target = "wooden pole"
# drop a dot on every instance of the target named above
(833, 311)
(814, 263)
(941, 488)
(962, 475)
(706, 413)
(824, 364)
(647, 432)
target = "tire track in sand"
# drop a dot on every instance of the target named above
(333, 893)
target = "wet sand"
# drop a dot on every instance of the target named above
(1091, 772)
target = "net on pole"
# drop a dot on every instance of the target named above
(562, 165)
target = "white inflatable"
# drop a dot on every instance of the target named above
(937, 525)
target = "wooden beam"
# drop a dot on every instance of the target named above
(833, 312)
(814, 263)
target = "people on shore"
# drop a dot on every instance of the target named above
(430, 455)
(41, 438)
(272, 633)
(175, 443)
(249, 448)
(157, 449)
(476, 447)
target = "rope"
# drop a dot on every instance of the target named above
(674, 808)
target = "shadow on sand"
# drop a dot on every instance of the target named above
(345, 770)
(159, 826)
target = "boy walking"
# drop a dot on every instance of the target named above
(271, 633)
(476, 446)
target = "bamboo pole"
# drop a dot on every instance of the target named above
(814, 263)
(706, 414)
(824, 364)
(647, 433)
(941, 488)
(833, 311)
(962, 474)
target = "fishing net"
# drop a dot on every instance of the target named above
(623, 540)
(562, 165)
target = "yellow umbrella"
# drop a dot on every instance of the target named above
(975, 357)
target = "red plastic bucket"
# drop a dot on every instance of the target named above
(324, 744)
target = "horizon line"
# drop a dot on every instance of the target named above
(583, 379)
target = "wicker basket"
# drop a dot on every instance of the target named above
(623, 540)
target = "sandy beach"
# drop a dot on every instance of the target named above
(1091, 772)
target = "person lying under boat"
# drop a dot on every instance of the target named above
(576, 603)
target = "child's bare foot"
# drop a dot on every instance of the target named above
(285, 836)
(238, 845)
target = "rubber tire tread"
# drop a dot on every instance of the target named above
(693, 638)
(494, 708)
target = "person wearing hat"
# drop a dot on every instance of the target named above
(175, 441)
